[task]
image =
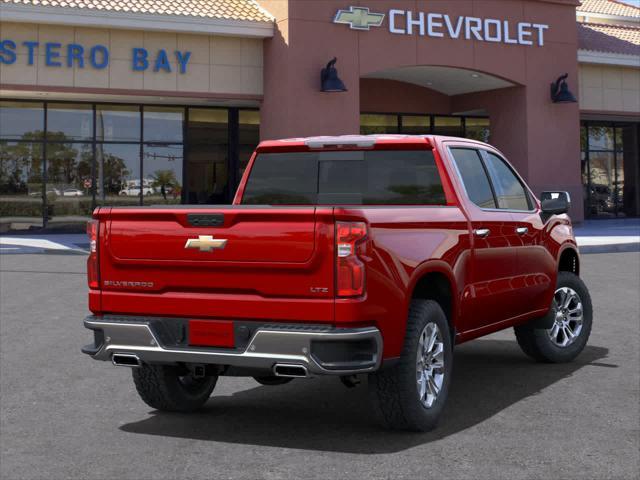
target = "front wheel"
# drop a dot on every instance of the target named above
(172, 388)
(570, 325)
(411, 394)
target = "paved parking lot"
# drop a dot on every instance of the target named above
(66, 416)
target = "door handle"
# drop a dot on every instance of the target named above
(482, 232)
(522, 230)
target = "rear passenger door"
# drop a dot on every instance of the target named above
(493, 296)
(535, 267)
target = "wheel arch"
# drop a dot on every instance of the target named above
(435, 281)
(569, 260)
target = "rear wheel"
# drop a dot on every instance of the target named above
(567, 331)
(172, 388)
(411, 394)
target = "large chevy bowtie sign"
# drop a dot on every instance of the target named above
(441, 25)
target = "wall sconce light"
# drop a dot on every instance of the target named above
(329, 80)
(560, 92)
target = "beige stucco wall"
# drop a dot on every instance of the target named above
(218, 65)
(609, 88)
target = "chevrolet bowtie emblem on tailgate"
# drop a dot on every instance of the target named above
(206, 243)
(359, 18)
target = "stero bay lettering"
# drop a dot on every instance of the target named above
(97, 56)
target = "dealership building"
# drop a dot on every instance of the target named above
(136, 102)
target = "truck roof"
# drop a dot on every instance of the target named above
(353, 141)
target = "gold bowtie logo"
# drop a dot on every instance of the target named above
(206, 243)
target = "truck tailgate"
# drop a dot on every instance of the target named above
(229, 262)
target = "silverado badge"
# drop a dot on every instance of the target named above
(206, 243)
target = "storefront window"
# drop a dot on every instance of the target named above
(21, 120)
(118, 123)
(108, 154)
(378, 124)
(610, 169)
(163, 124)
(118, 174)
(207, 165)
(450, 126)
(601, 138)
(477, 129)
(69, 170)
(416, 124)
(162, 168)
(248, 137)
(69, 122)
(21, 186)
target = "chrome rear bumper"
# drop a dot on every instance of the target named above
(319, 349)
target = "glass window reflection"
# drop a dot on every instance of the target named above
(21, 120)
(162, 183)
(21, 186)
(416, 124)
(451, 126)
(118, 174)
(378, 124)
(248, 137)
(478, 129)
(163, 124)
(67, 122)
(601, 138)
(207, 153)
(69, 197)
(118, 123)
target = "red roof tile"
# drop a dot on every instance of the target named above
(224, 9)
(609, 7)
(609, 38)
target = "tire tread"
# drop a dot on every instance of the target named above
(392, 394)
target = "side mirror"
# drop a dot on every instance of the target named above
(555, 203)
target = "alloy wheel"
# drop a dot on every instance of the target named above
(569, 317)
(430, 364)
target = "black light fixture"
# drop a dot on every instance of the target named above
(560, 92)
(329, 80)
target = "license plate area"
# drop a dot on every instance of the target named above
(211, 333)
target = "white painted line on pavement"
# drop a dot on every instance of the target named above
(589, 241)
(32, 242)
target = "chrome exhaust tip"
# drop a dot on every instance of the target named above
(290, 371)
(126, 360)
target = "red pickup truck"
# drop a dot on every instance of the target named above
(340, 256)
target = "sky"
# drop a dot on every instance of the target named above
(635, 3)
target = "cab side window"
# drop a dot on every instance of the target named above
(510, 193)
(474, 177)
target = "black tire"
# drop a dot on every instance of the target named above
(536, 342)
(272, 380)
(168, 388)
(394, 391)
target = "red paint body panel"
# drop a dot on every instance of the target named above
(279, 262)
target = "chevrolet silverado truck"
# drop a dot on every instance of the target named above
(349, 256)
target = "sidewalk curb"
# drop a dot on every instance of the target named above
(614, 248)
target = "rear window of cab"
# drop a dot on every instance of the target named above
(345, 177)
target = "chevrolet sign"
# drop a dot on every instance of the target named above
(442, 25)
(359, 18)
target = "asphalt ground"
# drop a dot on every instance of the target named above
(65, 416)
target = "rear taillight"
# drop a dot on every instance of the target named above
(349, 268)
(92, 261)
